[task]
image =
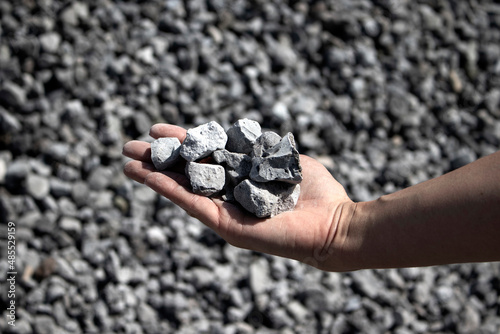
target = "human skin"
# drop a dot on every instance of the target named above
(451, 219)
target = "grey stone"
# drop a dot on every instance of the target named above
(17, 169)
(45, 325)
(299, 311)
(259, 276)
(237, 165)
(242, 136)
(64, 269)
(60, 188)
(279, 318)
(267, 199)
(37, 186)
(55, 291)
(100, 178)
(165, 152)
(304, 105)
(22, 327)
(229, 192)
(80, 193)
(367, 283)
(205, 179)
(58, 151)
(155, 236)
(12, 95)
(280, 111)
(201, 141)
(492, 101)
(69, 16)
(147, 315)
(267, 140)
(142, 122)
(64, 172)
(8, 122)
(70, 225)
(146, 55)
(279, 163)
(50, 42)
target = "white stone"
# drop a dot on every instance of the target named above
(205, 179)
(203, 140)
(165, 152)
(267, 199)
(242, 136)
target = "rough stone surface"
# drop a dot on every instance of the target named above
(205, 179)
(279, 163)
(267, 140)
(238, 165)
(202, 140)
(165, 152)
(266, 199)
(242, 136)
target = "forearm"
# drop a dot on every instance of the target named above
(451, 219)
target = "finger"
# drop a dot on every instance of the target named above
(173, 186)
(137, 150)
(167, 130)
(138, 170)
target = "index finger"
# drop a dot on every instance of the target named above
(167, 130)
(174, 186)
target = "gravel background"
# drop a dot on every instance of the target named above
(385, 93)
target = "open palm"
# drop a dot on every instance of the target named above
(309, 233)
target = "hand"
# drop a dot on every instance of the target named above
(313, 232)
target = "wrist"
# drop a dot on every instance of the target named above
(343, 254)
(353, 234)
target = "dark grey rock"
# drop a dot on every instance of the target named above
(142, 122)
(367, 283)
(201, 141)
(492, 101)
(80, 193)
(265, 141)
(23, 326)
(279, 318)
(45, 325)
(58, 151)
(279, 163)
(147, 317)
(304, 105)
(266, 199)
(55, 291)
(462, 158)
(13, 95)
(100, 178)
(205, 179)
(59, 188)
(8, 122)
(242, 136)
(165, 152)
(237, 165)
(17, 170)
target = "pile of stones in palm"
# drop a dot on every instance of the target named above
(259, 170)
